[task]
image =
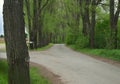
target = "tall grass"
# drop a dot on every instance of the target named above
(3, 72)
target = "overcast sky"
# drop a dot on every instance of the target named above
(1, 18)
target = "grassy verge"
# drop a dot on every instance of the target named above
(105, 53)
(3, 72)
(2, 49)
(45, 47)
(35, 77)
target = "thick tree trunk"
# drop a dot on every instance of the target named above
(113, 23)
(35, 23)
(84, 29)
(17, 54)
(88, 23)
(39, 33)
(84, 8)
(92, 26)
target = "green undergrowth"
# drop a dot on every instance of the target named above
(3, 72)
(36, 78)
(45, 47)
(105, 53)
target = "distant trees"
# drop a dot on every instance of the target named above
(44, 21)
(17, 54)
(73, 22)
(88, 13)
(89, 16)
(34, 11)
(72, 17)
(1, 36)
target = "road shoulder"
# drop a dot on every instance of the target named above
(54, 79)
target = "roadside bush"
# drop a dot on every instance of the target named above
(70, 37)
(35, 77)
(82, 42)
(102, 33)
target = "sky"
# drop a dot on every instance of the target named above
(1, 17)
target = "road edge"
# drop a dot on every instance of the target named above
(53, 78)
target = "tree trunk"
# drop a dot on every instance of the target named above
(84, 8)
(35, 23)
(113, 23)
(17, 54)
(92, 25)
(39, 32)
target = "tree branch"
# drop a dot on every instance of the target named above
(98, 2)
(117, 13)
(41, 8)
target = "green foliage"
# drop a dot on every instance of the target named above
(3, 72)
(70, 37)
(82, 42)
(36, 78)
(102, 33)
(53, 21)
(45, 47)
(62, 18)
(104, 53)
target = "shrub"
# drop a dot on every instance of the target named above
(102, 33)
(82, 42)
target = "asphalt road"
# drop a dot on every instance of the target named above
(74, 67)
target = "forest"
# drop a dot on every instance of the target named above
(85, 24)
(91, 27)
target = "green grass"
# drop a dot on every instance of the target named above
(36, 78)
(3, 72)
(45, 47)
(105, 53)
(39, 49)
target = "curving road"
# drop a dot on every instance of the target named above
(74, 67)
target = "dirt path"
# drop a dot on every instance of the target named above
(76, 68)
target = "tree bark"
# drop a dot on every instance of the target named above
(113, 23)
(84, 8)
(92, 25)
(37, 22)
(17, 54)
